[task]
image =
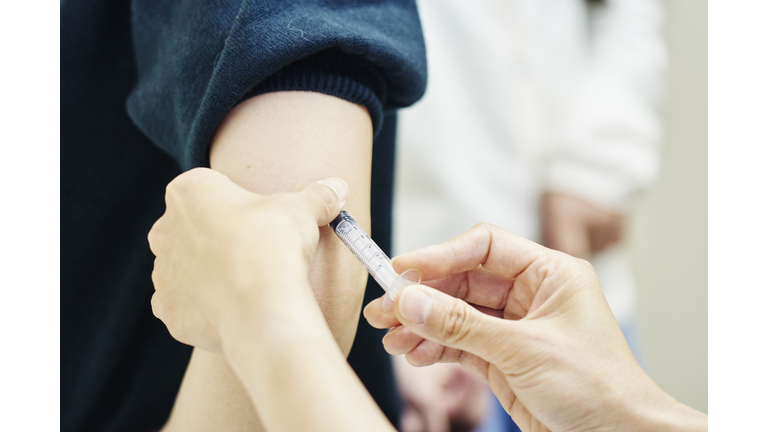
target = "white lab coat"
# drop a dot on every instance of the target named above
(526, 96)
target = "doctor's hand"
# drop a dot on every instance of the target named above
(535, 325)
(576, 227)
(223, 252)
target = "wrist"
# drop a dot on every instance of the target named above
(291, 359)
(673, 417)
(269, 323)
(648, 408)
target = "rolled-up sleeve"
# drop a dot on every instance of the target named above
(196, 60)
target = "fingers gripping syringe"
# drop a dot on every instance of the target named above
(373, 258)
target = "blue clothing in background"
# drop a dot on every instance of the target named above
(144, 85)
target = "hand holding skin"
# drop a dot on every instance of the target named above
(231, 275)
(219, 246)
(535, 325)
(577, 227)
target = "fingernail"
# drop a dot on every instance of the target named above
(339, 186)
(415, 305)
(388, 304)
(394, 330)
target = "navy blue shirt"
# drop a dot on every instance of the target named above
(144, 85)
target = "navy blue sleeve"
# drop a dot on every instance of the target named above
(198, 59)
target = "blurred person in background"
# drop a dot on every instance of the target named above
(540, 117)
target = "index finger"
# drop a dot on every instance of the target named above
(497, 250)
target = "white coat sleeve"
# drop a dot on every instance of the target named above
(606, 144)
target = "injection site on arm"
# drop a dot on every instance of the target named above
(372, 257)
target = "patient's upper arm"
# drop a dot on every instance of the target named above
(277, 142)
(273, 143)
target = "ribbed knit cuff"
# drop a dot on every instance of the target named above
(336, 73)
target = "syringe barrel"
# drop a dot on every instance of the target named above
(368, 253)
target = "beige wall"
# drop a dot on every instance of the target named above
(668, 236)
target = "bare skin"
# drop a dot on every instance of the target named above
(270, 144)
(231, 277)
(540, 332)
(570, 225)
(576, 227)
(534, 324)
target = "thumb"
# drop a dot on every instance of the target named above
(325, 198)
(449, 321)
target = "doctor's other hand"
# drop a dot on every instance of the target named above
(222, 251)
(534, 324)
(440, 398)
(576, 227)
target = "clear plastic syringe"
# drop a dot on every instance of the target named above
(373, 258)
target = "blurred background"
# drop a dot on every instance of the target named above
(668, 234)
(597, 101)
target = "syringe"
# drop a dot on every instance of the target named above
(373, 258)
